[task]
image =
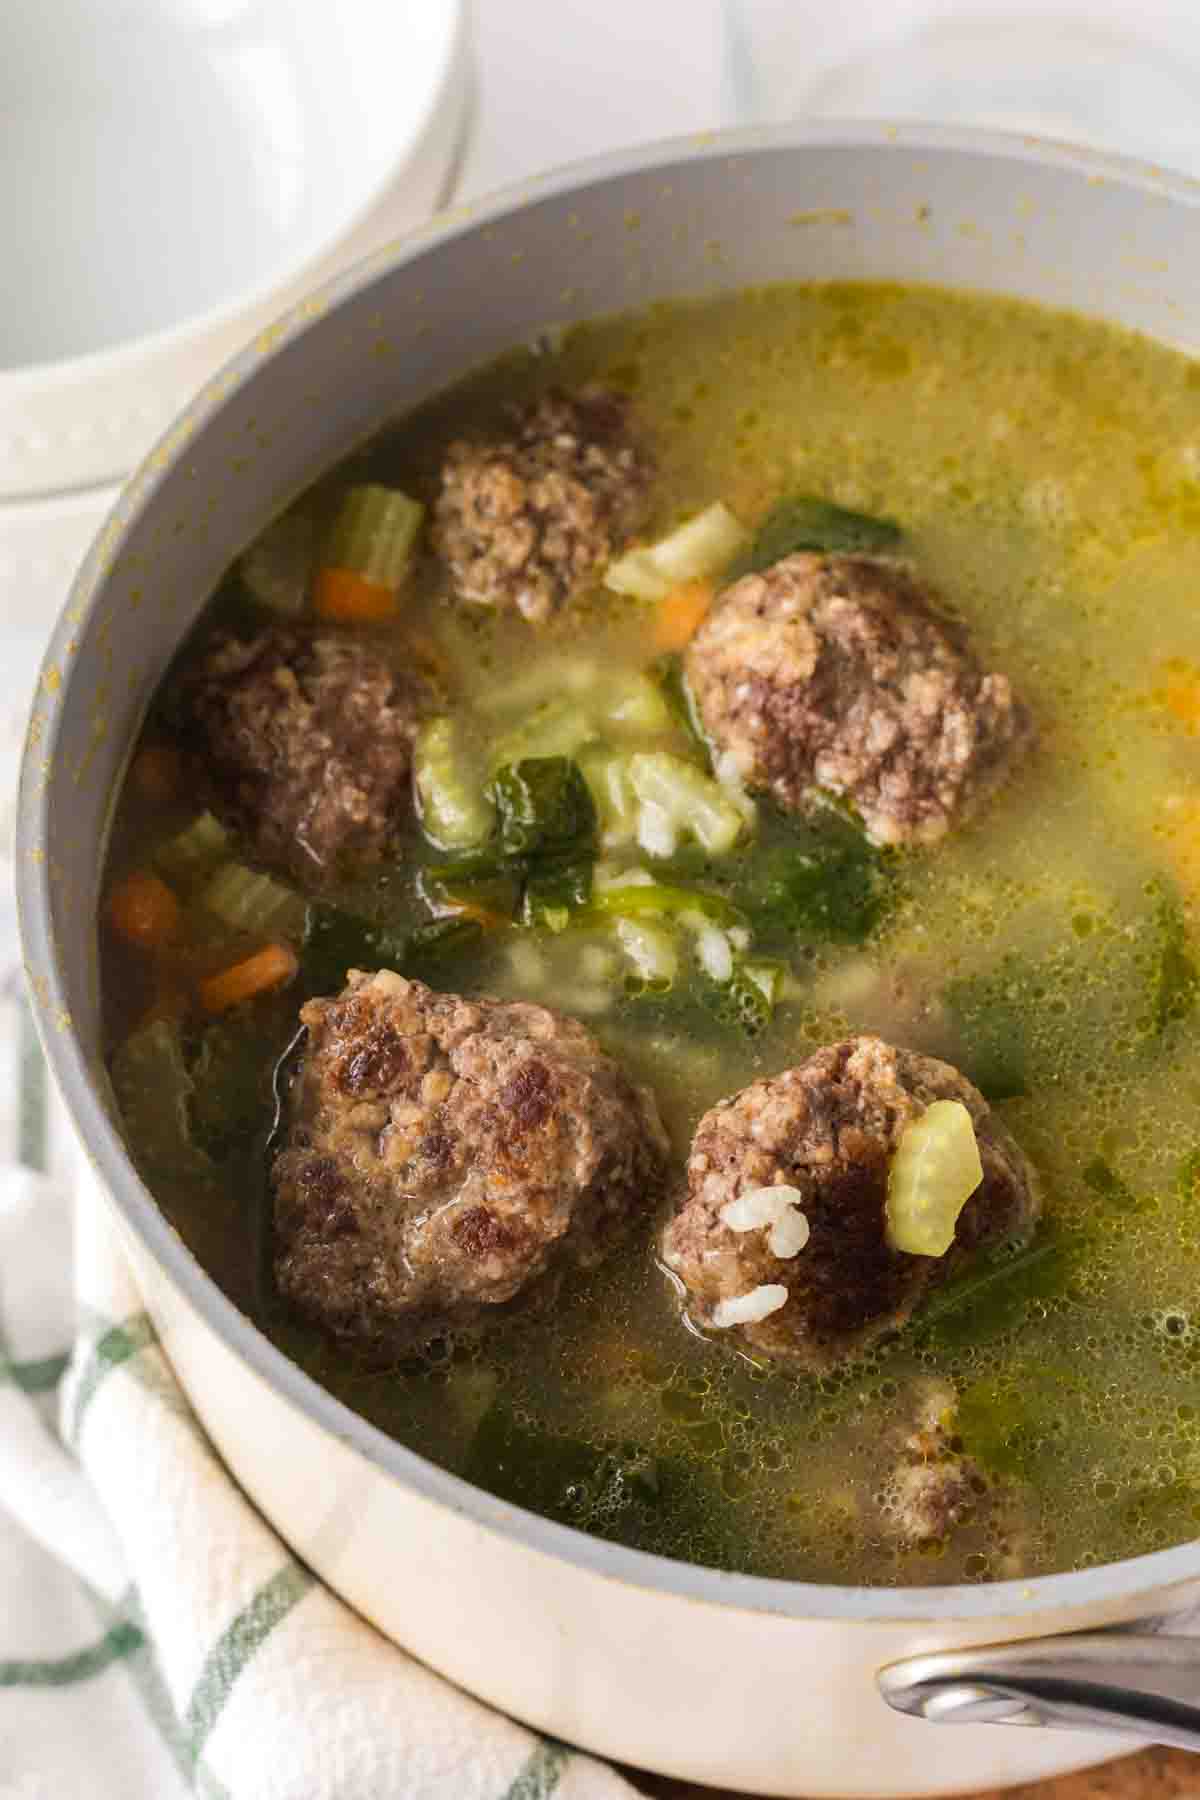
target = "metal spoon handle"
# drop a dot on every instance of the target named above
(1146, 1687)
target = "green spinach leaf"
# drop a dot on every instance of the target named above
(804, 522)
(555, 890)
(339, 940)
(543, 806)
(992, 1015)
(991, 1297)
(1106, 1184)
(1176, 980)
(820, 881)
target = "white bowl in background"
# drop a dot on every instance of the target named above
(175, 173)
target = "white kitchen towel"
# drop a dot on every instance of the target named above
(156, 1637)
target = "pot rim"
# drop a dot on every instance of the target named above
(1028, 1600)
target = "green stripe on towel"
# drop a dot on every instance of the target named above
(39, 1376)
(143, 1671)
(236, 1646)
(63, 1671)
(114, 1347)
(541, 1774)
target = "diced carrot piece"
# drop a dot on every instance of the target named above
(273, 966)
(157, 774)
(1183, 699)
(346, 596)
(680, 613)
(143, 910)
(471, 909)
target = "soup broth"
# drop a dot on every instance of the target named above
(1045, 472)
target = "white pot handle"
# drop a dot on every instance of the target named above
(1143, 1686)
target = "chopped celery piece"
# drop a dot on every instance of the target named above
(633, 703)
(277, 568)
(193, 852)
(543, 806)
(154, 1090)
(688, 801)
(767, 977)
(607, 775)
(703, 545)
(375, 534)
(588, 704)
(934, 1171)
(652, 898)
(254, 903)
(805, 523)
(556, 728)
(455, 812)
(652, 950)
(546, 677)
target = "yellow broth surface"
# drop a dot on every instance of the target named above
(1046, 472)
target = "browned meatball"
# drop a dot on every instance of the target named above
(445, 1156)
(933, 1486)
(828, 1129)
(524, 522)
(837, 675)
(935, 1489)
(305, 739)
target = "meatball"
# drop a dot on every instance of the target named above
(525, 522)
(812, 1280)
(444, 1156)
(304, 740)
(936, 1489)
(837, 675)
(932, 1486)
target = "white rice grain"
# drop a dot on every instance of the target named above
(748, 1309)
(779, 1208)
(714, 953)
